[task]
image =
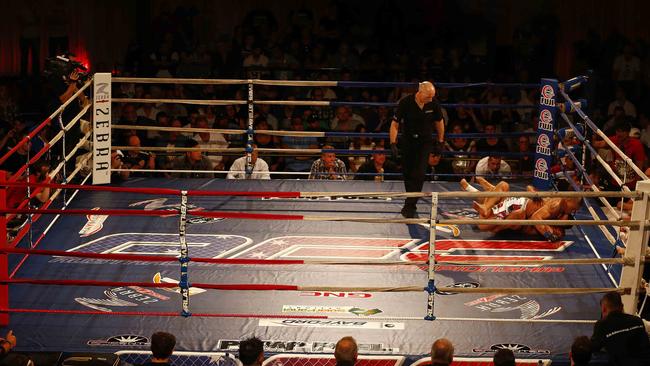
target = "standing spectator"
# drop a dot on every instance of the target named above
(346, 352)
(442, 352)
(377, 166)
(192, 160)
(504, 357)
(251, 352)
(626, 69)
(492, 166)
(580, 354)
(622, 335)
(8, 106)
(162, 347)
(328, 166)
(260, 167)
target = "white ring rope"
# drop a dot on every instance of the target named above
(180, 81)
(179, 101)
(605, 138)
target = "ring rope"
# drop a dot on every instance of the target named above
(276, 287)
(180, 129)
(600, 133)
(47, 121)
(594, 153)
(264, 216)
(344, 84)
(309, 133)
(266, 262)
(296, 194)
(180, 101)
(180, 81)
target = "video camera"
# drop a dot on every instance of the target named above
(60, 67)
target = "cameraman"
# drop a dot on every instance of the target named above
(61, 89)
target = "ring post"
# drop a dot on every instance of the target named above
(636, 245)
(431, 285)
(4, 257)
(183, 284)
(545, 128)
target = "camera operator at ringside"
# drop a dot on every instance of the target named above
(64, 76)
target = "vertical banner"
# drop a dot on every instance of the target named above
(102, 128)
(545, 128)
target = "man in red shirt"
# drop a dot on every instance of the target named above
(631, 146)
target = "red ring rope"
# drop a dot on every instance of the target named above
(155, 191)
(213, 286)
(133, 212)
(160, 313)
(149, 258)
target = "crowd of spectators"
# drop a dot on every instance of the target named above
(324, 46)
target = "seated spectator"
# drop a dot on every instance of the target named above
(359, 143)
(622, 335)
(298, 163)
(260, 167)
(328, 166)
(460, 164)
(621, 101)
(580, 354)
(170, 139)
(9, 358)
(491, 166)
(192, 160)
(504, 357)
(491, 144)
(346, 352)
(526, 162)
(211, 140)
(614, 119)
(631, 147)
(136, 159)
(466, 117)
(383, 120)
(377, 166)
(162, 347)
(343, 122)
(442, 352)
(439, 165)
(251, 352)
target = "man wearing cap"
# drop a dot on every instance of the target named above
(417, 114)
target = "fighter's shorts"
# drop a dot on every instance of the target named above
(505, 207)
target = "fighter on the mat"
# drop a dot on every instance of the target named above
(522, 208)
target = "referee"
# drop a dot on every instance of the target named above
(417, 113)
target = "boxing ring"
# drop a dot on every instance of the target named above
(300, 264)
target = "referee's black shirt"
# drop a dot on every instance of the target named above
(417, 124)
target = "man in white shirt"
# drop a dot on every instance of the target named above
(211, 140)
(492, 166)
(260, 167)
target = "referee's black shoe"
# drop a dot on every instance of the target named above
(409, 212)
